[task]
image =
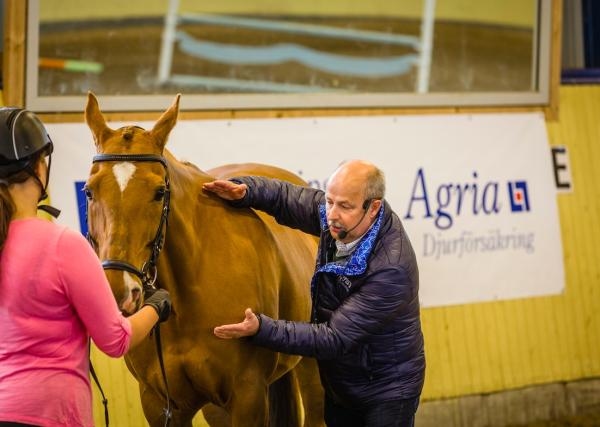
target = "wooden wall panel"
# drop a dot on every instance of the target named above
(13, 54)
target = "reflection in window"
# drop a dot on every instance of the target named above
(161, 47)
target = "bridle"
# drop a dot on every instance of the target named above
(149, 272)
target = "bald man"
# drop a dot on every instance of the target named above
(365, 329)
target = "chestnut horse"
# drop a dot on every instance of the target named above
(151, 224)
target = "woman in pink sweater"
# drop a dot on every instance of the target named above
(53, 294)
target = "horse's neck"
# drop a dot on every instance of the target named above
(186, 185)
(185, 175)
(186, 211)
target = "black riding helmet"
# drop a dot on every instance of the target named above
(23, 138)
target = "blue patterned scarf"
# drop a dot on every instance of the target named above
(357, 264)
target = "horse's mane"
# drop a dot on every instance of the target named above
(191, 165)
(183, 166)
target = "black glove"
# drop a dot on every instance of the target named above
(160, 300)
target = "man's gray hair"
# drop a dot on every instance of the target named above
(375, 185)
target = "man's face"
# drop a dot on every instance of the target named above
(345, 199)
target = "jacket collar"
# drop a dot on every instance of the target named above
(357, 263)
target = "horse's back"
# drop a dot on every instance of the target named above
(269, 171)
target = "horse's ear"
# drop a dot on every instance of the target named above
(95, 120)
(166, 122)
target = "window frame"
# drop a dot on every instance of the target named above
(542, 97)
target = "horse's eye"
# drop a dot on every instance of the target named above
(160, 193)
(88, 193)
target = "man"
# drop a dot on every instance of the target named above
(365, 328)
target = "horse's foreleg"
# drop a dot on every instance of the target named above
(155, 408)
(216, 416)
(248, 406)
(313, 396)
(153, 405)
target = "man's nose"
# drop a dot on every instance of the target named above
(332, 212)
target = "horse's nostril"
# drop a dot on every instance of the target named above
(135, 294)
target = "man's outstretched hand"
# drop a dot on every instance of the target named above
(248, 327)
(227, 190)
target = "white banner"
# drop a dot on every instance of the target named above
(475, 192)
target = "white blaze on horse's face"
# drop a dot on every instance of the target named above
(132, 291)
(123, 173)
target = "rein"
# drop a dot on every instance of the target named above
(148, 272)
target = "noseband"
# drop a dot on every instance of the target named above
(148, 273)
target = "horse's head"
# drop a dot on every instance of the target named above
(128, 201)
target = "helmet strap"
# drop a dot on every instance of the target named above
(46, 208)
(45, 190)
(33, 174)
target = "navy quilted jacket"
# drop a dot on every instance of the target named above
(365, 329)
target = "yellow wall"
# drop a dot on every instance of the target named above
(490, 347)
(509, 12)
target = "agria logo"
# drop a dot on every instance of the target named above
(519, 197)
(450, 200)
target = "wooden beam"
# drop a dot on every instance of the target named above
(552, 110)
(13, 64)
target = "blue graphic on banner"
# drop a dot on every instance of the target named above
(519, 199)
(450, 200)
(444, 203)
(81, 206)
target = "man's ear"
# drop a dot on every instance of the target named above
(375, 206)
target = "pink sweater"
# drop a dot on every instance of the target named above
(53, 293)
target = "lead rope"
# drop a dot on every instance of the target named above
(92, 371)
(104, 399)
(168, 411)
